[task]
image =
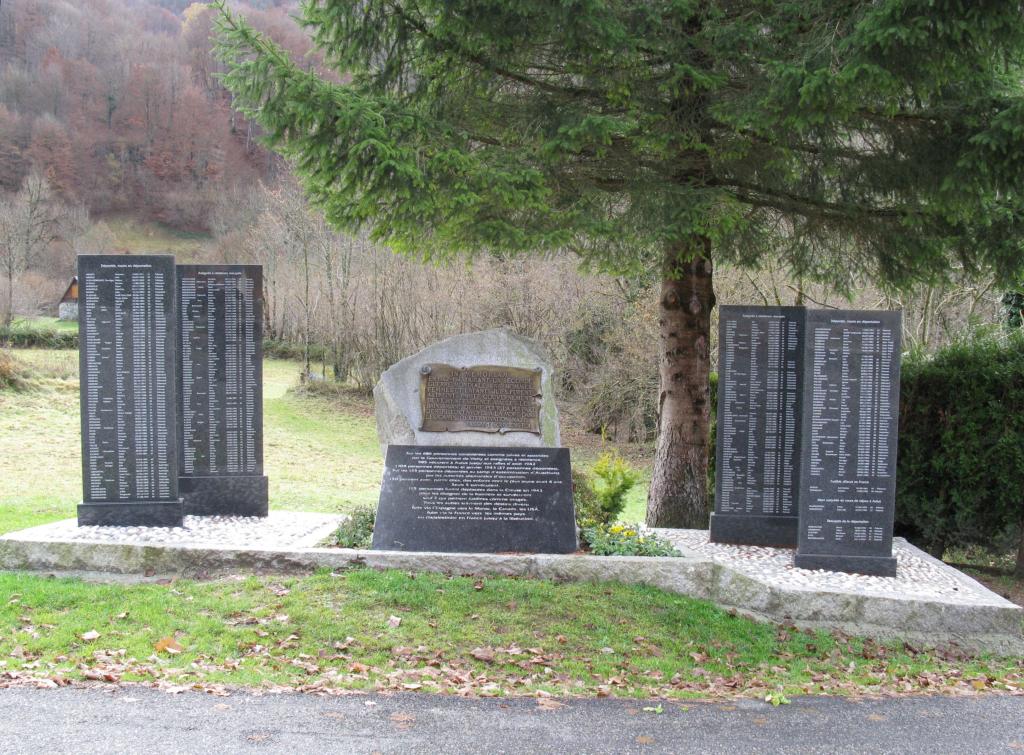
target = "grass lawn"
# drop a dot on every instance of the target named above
(362, 630)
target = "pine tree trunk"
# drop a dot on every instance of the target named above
(678, 494)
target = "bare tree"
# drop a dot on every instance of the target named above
(29, 222)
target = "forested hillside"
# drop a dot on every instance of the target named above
(117, 104)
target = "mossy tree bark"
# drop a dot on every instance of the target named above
(678, 495)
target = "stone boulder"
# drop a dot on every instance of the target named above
(396, 396)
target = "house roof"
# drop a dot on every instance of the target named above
(72, 291)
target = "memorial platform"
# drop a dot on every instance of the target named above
(927, 603)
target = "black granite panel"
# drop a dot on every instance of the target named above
(848, 477)
(476, 499)
(225, 495)
(746, 529)
(876, 566)
(130, 514)
(760, 370)
(128, 403)
(220, 386)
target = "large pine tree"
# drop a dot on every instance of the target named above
(841, 139)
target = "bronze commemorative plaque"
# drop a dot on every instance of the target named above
(487, 399)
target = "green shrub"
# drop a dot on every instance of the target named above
(960, 476)
(26, 337)
(357, 531)
(614, 479)
(625, 540)
(584, 499)
(293, 350)
(600, 496)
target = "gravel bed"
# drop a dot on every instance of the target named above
(282, 529)
(918, 575)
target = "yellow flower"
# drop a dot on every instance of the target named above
(630, 533)
(616, 529)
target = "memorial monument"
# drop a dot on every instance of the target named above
(127, 360)
(849, 435)
(808, 402)
(220, 390)
(470, 430)
(467, 376)
(760, 371)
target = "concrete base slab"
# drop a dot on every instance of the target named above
(929, 603)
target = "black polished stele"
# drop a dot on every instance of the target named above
(220, 389)
(476, 499)
(760, 371)
(126, 319)
(848, 478)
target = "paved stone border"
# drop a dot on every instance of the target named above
(969, 615)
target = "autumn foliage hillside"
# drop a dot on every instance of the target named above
(117, 103)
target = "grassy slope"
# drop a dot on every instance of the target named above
(321, 454)
(317, 458)
(141, 237)
(40, 446)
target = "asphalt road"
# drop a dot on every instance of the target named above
(142, 720)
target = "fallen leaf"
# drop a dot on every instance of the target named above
(654, 709)
(478, 585)
(549, 703)
(643, 739)
(394, 621)
(91, 635)
(168, 645)
(482, 654)
(412, 685)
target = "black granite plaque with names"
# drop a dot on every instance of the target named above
(760, 372)
(220, 389)
(476, 499)
(126, 321)
(848, 478)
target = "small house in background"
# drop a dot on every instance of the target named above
(68, 308)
